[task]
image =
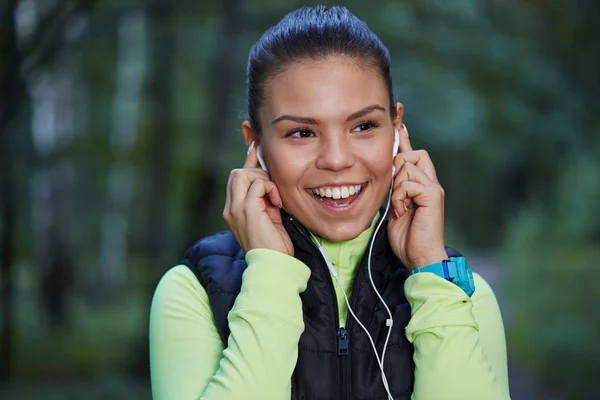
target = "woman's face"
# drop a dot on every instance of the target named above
(327, 140)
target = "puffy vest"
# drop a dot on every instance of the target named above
(333, 362)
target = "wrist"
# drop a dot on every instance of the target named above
(433, 258)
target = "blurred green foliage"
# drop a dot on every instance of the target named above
(551, 251)
(128, 124)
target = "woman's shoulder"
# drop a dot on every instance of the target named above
(179, 291)
(178, 277)
(222, 243)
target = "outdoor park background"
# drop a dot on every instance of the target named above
(119, 124)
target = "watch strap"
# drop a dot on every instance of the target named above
(455, 270)
(444, 269)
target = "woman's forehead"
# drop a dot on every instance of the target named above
(332, 88)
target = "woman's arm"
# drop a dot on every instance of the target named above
(460, 349)
(187, 357)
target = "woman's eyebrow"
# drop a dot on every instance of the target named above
(365, 111)
(313, 121)
(295, 118)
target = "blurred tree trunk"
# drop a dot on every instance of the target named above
(222, 77)
(15, 65)
(159, 136)
(53, 107)
(53, 88)
(121, 175)
(10, 86)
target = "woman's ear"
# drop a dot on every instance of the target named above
(249, 133)
(399, 114)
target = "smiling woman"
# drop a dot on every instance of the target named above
(261, 311)
(327, 125)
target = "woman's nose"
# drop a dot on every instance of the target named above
(335, 154)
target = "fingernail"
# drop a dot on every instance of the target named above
(405, 130)
(405, 208)
(250, 148)
(396, 212)
(280, 204)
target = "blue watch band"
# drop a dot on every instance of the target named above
(443, 269)
(455, 270)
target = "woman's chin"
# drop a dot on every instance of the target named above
(341, 232)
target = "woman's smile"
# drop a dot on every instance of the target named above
(328, 136)
(338, 198)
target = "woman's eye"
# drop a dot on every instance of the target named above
(302, 133)
(365, 126)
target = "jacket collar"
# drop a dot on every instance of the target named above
(301, 238)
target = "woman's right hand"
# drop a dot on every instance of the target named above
(252, 209)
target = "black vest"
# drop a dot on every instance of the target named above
(333, 362)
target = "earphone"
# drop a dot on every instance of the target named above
(260, 159)
(396, 142)
(395, 149)
(389, 322)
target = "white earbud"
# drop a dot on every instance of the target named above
(396, 142)
(395, 149)
(260, 159)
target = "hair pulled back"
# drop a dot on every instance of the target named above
(312, 33)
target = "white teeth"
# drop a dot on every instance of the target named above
(342, 192)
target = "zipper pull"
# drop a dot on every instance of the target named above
(342, 335)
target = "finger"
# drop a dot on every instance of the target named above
(422, 196)
(421, 159)
(404, 140)
(251, 157)
(227, 208)
(241, 180)
(410, 172)
(398, 164)
(259, 189)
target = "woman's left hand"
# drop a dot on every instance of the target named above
(416, 221)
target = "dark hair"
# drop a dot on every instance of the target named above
(312, 33)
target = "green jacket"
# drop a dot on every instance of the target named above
(460, 350)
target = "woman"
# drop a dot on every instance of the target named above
(260, 312)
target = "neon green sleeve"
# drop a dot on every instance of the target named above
(460, 349)
(187, 357)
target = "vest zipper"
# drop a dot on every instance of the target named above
(346, 385)
(343, 338)
(342, 335)
(343, 351)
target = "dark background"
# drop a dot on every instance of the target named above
(119, 124)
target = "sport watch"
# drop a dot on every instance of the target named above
(455, 270)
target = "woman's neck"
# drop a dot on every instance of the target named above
(347, 254)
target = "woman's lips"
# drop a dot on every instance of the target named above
(338, 191)
(333, 202)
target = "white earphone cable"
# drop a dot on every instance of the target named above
(335, 276)
(390, 321)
